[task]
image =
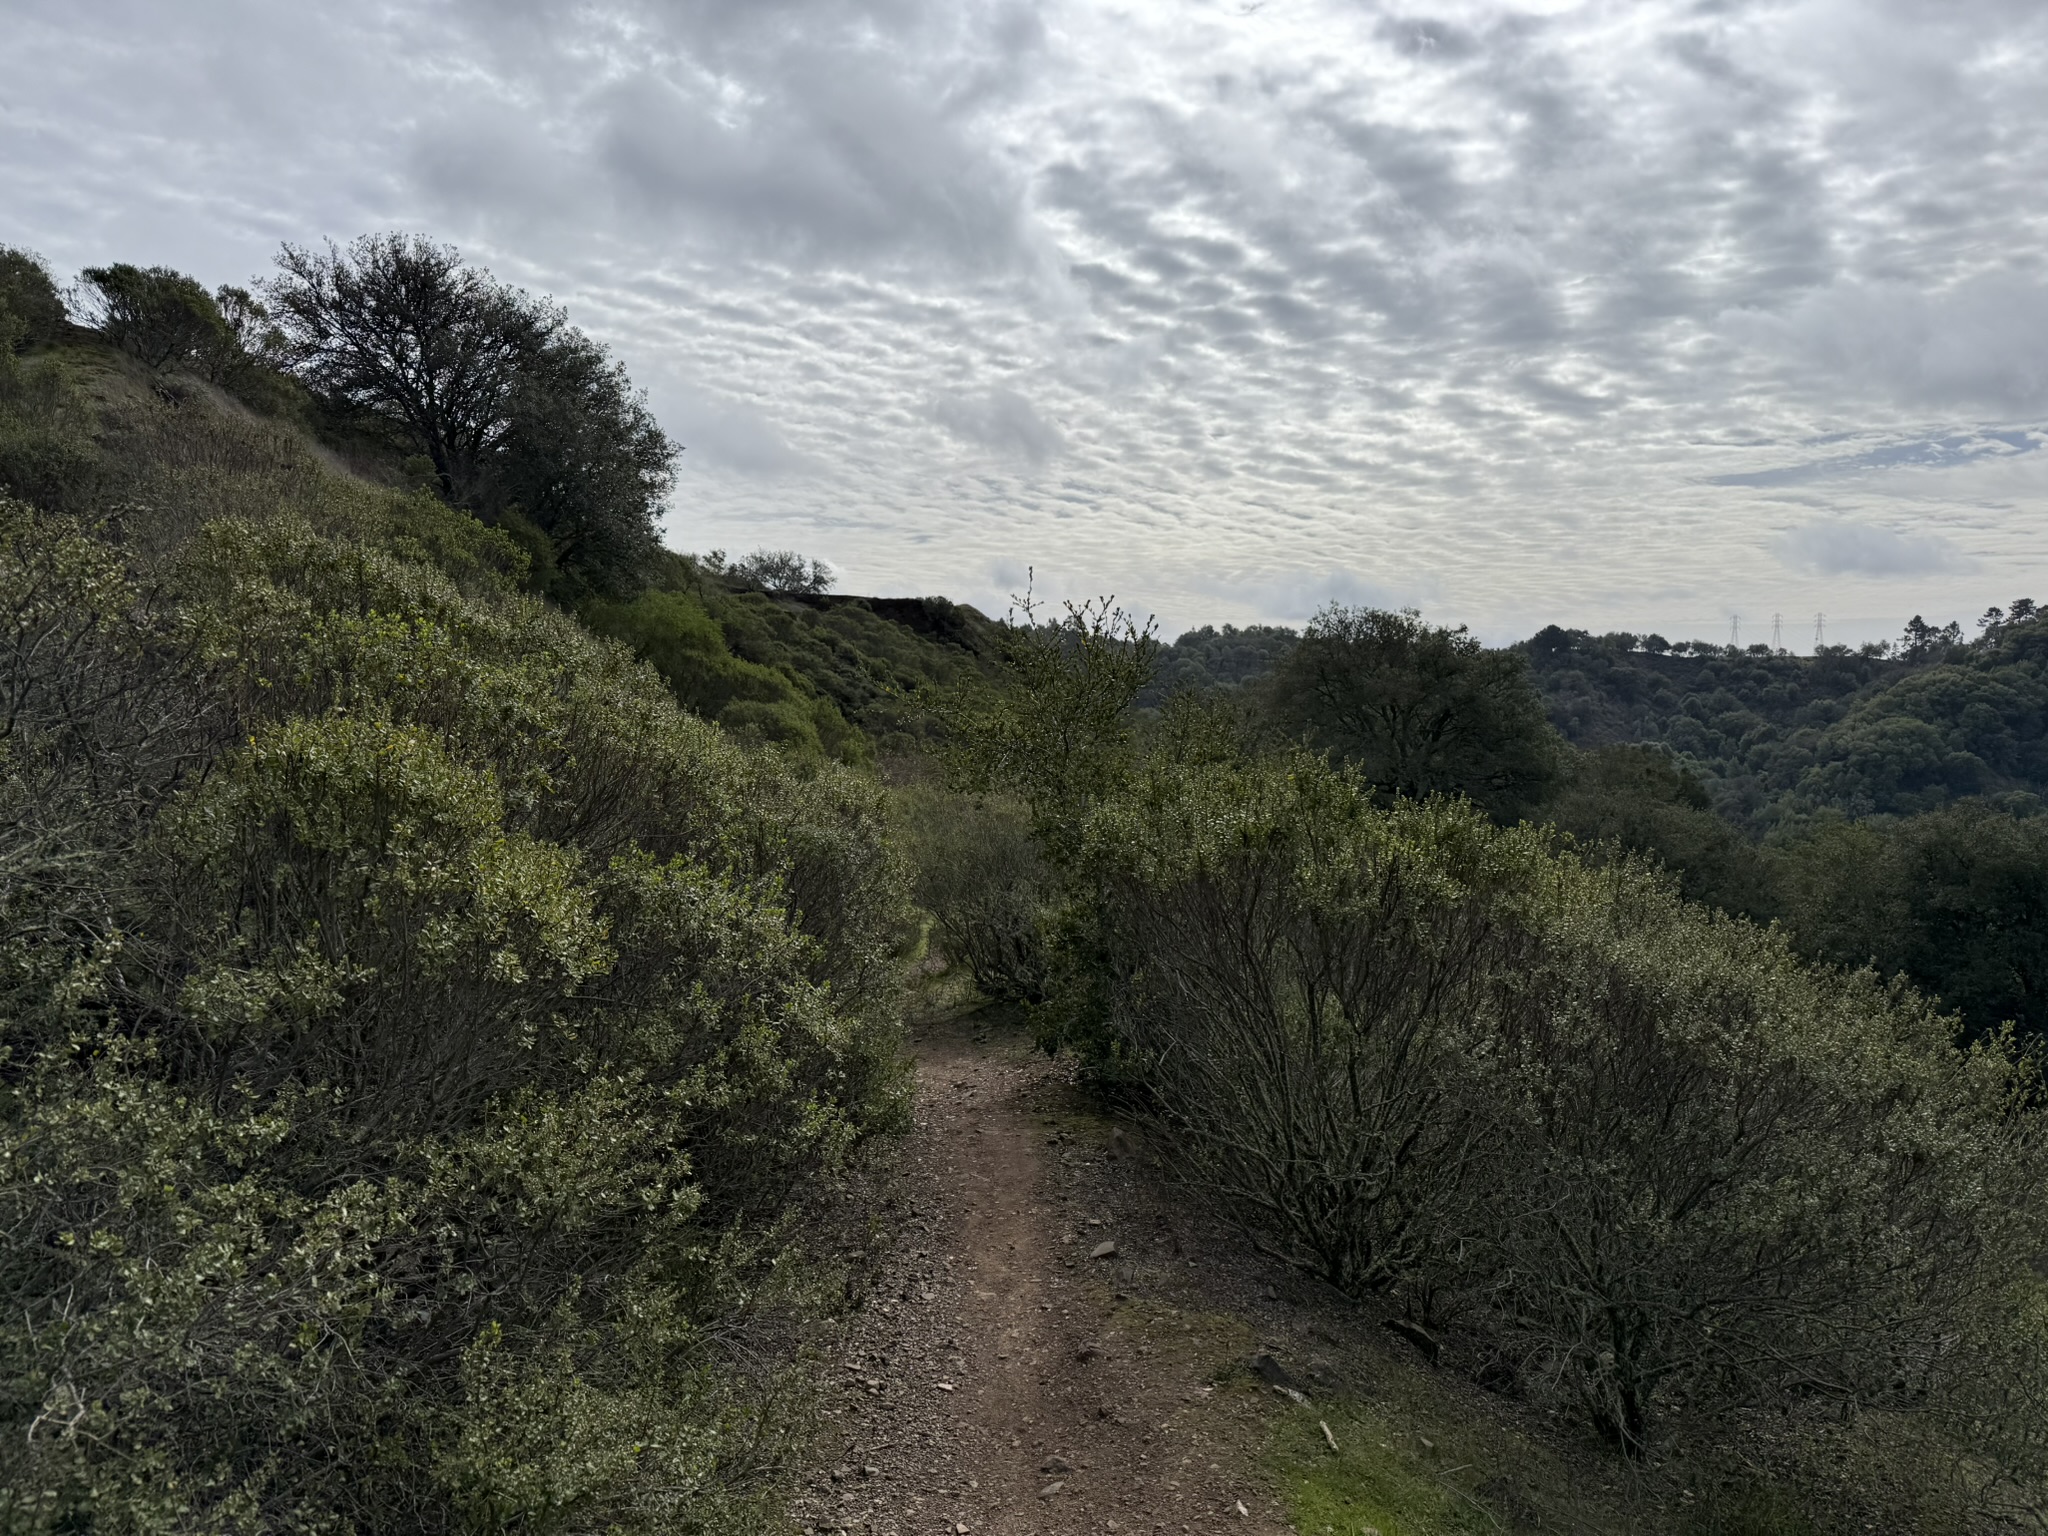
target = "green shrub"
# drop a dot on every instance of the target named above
(1418, 709)
(1726, 1177)
(426, 1046)
(46, 455)
(162, 318)
(678, 637)
(981, 877)
(1297, 981)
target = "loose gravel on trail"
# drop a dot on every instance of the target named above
(1027, 1363)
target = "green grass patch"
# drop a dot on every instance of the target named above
(1414, 1466)
(1381, 1478)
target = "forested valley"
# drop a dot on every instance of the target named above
(455, 954)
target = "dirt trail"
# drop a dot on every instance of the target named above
(1005, 1380)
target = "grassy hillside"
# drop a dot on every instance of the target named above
(820, 674)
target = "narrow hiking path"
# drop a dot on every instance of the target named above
(1031, 1361)
(1001, 1379)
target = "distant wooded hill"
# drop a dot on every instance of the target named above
(1773, 738)
(1776, 738)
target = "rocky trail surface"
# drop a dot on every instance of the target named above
(1037, 1355)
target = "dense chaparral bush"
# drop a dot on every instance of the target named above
(990, 893)
(421, 1041)
(1660, 1156)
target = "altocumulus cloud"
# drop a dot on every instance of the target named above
(1831, 548)
(1521, 307)
(1001, 420)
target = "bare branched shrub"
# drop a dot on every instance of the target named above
(1660, 1160)
(1304, 977)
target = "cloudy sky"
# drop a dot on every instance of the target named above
(1625, 314)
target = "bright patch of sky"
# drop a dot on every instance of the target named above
(1620, 314)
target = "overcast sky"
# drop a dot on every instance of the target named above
(1625, 314)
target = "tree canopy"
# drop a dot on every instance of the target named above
(1418, 708)
(161, 317)
(31, 309)
(524, 418)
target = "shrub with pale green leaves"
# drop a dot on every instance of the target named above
(424, 1045)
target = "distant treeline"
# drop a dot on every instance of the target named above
(1889, 729)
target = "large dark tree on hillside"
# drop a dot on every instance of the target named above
(583, 458)
(1419, 709)
(521, 414)
(398, 328)
(31, 309)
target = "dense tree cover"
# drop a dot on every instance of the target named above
(1897, 788)
(1419, 709)
(1210, 658)
(1645, 1157)
(1957, 899)
(427, 1053)
(1639, 800)
(1887, 730)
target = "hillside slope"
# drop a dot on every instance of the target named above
(434, 1061)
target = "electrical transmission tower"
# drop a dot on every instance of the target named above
(1777, 631)
(1820, 630)
(1734, 631)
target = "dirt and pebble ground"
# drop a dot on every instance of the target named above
(1042, 1349)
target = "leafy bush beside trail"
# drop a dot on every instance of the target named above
(989, 891)
(423, 1041)
(1660, 1158)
